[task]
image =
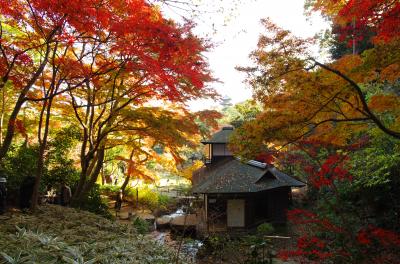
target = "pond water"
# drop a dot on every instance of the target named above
(178, 212)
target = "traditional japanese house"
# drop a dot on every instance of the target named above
(239, 195)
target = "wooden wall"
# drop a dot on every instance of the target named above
(267, 206)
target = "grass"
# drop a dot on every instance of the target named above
(66, 235)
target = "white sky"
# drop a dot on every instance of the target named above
(239, 36)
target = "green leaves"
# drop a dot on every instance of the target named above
(15, 260)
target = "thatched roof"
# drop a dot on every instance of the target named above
(234, 176)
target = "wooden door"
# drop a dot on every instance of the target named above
(235, 212)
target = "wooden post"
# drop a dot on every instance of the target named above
(206, 209)
(137, 197)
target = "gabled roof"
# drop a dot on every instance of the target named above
(221, 137)
(234, 176)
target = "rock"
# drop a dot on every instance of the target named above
(146, 216)
(159, 212)
(163, 221)
(183, 222)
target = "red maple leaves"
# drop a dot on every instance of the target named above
(305, 217)
(372, 234)
(328, 247)
(359, 16)
(309, 247)
(333, 169)
(329, 240)
(165, 54)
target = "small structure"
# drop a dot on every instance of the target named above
(239, 195)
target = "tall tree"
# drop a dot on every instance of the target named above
(304, 97)
(110, 56)
(357, 16)
(133, 30)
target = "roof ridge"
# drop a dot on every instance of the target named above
(255, 163)
(276, 175)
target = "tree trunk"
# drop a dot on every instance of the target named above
(42, 149)
(103, 177)
(93, 176)
(3, 109)
(126, 181)
(84, 167)
(20, 101)
(11, 127)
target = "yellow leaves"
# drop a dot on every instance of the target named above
(348, 62)
(383, 61)
(166, 161)
(278, 53)
(304, 98)
(35, 94)
(187, 172)
(136, 170)
(336, 133)
(349, 65)
(155, 13)
(328, 7)
(391, 73)
(385, 103)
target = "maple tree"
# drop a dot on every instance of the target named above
(110, 56)
(172, 128)
(303, 97)
(334, 228)
(356, 16)
(134, 164)
(330, 123)
(149, 127)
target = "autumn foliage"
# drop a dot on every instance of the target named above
(326, 122)
(305, 98)
(99, 65)
(366, 245)
(355, 16)
(328, 236)
(332, 170)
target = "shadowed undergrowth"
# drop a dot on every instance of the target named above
(66, 235)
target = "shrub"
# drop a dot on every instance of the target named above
(185, 189)
(63, 172)
(164, 201)
(65, 235)
(216, 246)
(142, 226)
(109, 190)
(265, 229)
(148, 197)
(260, 248)
(59, 166)
(95, 203)
(20, 163)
